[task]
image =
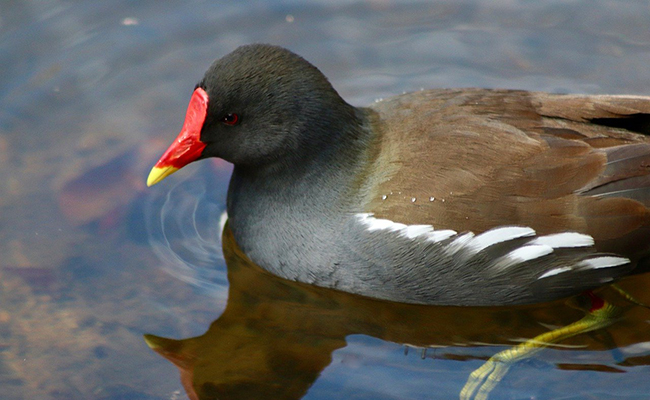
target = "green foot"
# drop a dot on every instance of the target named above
(484, 379)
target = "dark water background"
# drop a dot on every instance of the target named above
(92, 92)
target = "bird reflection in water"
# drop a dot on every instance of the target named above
(276, 337)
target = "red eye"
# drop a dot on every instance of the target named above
(230, 119)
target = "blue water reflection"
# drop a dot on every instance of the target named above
(92, 92)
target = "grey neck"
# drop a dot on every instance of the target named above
(284, 219)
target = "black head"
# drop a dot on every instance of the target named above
(267, 104)
(258, 106)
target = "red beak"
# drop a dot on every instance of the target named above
(188, 146)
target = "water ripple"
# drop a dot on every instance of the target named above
(183, 228)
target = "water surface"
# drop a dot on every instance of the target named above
(92, 92)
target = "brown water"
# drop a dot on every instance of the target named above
(92, 92)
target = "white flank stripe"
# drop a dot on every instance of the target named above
(385, 224)
(604, 262)
(413, 231)
(460, 242)
(375, 224)
(531, 252)
(566, 239)
(439, 236)
(363, 217)
(409, 231)
(554, 271)
(499, 235)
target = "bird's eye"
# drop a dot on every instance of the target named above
(230, 119)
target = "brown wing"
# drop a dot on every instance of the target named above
(473, 159)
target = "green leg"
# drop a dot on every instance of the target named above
(485, 378)
(628, 296)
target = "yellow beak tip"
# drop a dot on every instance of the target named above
(157, 174)
(150, 341)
